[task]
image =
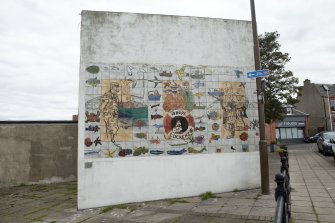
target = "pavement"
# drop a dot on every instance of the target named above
(313, 199)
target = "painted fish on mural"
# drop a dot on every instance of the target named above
(92, 128)
(176, 152)
(93, 82)
(214, 137)
(141, 135)
(156, 116)
(193, 150)
(154, 106)
(213, 115)
(179, 144)
(199, 84)
(156, 152)
(92, 152)
(199, 94)
(158, 126)
(200, 128)
(216, 93)
(125, 152)
(140, 151)
(93, 69)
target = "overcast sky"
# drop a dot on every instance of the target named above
(39, 58)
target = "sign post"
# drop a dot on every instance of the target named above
(258, 73)
(263, 150)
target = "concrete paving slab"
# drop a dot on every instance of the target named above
(301, 209)
(304, 216)
(326, 211)
(206, 209)
(181, 207)
(235, 210)
(263, 211)
(195, 219)
(265, 203)
(216, 201)
(240, 202)
(327, 218)
(324, 204)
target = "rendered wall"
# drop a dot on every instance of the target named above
(37, 153)
(166, 109)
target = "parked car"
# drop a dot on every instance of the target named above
(313, 138)
(325, 142)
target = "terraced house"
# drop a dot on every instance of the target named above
(318, 100)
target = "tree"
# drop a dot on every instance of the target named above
(280, 85)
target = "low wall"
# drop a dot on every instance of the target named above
(37, 152)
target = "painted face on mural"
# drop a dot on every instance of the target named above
(179, 124)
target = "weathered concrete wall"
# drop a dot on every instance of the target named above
(109, 39)
(37, 153)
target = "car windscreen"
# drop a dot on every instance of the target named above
(329, 135)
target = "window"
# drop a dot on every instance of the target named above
(300, 133)
(332, 105)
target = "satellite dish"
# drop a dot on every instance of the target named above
(325, 87)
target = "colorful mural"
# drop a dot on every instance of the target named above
(155, 110)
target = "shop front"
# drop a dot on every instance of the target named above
(291, 129)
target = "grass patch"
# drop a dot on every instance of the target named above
(40, 218)
(173, 201)
(119, 206)
(236, 190)
(207, 196)
(53, 222)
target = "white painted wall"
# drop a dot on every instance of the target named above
(108, 37)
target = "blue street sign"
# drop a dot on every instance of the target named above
(258, 73)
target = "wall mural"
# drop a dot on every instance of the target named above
(151, 110)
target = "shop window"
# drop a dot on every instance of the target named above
(283, 133)
(277, 134)
(300, 133)
(294, 133)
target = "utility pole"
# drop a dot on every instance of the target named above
(263, 150)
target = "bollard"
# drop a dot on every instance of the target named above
(280, 196)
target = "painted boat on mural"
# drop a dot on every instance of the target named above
(176, 152)
(132, 110)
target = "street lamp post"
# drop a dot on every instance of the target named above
(263, 150)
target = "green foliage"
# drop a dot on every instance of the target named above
(119, 206)
(207, 195)
(280, 85)
(173, 201)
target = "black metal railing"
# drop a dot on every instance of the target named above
(282, 194)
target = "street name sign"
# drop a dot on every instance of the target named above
(258, 73)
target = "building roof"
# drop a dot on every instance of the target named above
(323, 92)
